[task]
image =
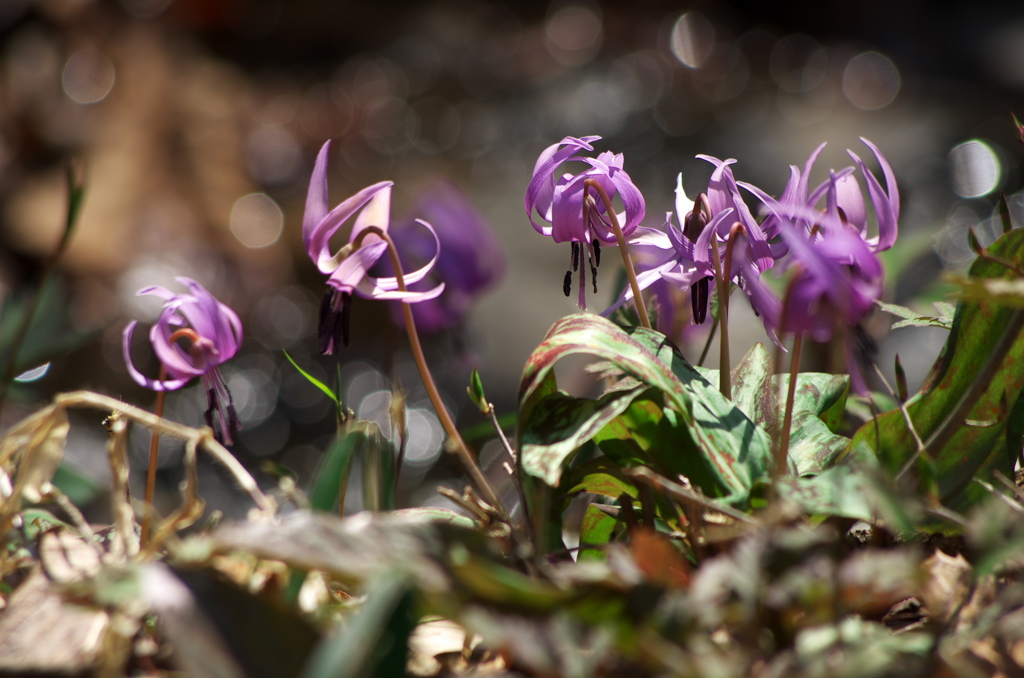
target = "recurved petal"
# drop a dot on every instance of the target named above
(886, 203)
(139, 377)
(391, 282)
(318, 245)
(541, 190)
(212, 320)
(635, 209)
(369, 288)
(355, 266)
(316, 198)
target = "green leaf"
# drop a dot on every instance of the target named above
(912, 318)
(980, 325)
(332, 478)
(476, 392)
(842, 491)
(819, 405)
(378, 471)
(596, 530)
(563, 424)
(994, 290)
(600, 476)
(733, 450)
(313, 380)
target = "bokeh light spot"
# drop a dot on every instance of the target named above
(976, 169)
(88, 76)
(693, 38)
(574, 34)
(256, 220)
(871, 81)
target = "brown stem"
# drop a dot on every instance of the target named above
(638, 300)
(782, 454)
(724, 360)
(154, 444)
(461, 449)
(154, 453)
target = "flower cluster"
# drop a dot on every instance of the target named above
(829, 249)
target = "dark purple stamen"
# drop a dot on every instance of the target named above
(575, 257)
(699, 299)
(567, 283)
(335, 311)
(597, 252)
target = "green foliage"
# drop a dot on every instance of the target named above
(962, 411)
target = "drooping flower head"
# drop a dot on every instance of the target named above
(348, 268)
(568, 212)
(193, 336)
(470, 262)
(837, 278)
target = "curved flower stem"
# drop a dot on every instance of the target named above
(641, 308)
(428, 380)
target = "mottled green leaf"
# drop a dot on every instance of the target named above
(912, 318)
(981, 324)
(596, 531)
(561, 425)
(734, 451)
(842, 490)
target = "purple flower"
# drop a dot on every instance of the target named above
(688, 265)
(471, 259)
(348, 268)
(574, 215)
(212, 333)
(844, 199)
(836, 280)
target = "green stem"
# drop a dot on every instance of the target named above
(638, 300)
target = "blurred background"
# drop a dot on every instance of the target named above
(195, 124)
